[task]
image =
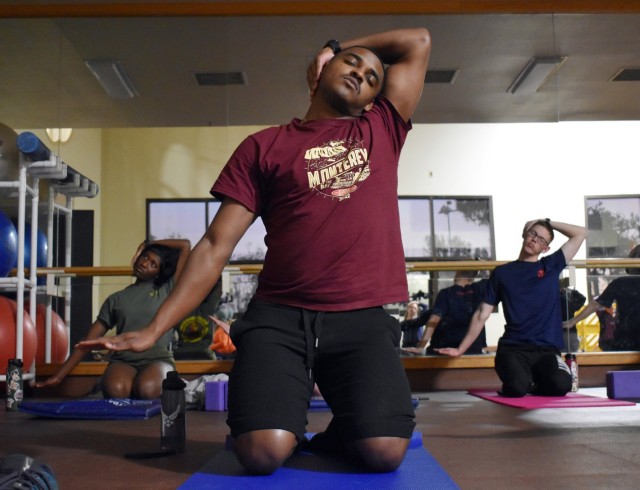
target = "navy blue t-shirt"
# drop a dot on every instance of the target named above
(529, 293)
(455, 306)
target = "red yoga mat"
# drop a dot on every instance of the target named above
(570, 400)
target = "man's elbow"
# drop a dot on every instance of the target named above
(423, 40)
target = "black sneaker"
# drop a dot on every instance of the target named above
(20, 472)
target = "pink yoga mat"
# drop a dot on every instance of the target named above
(571, 400)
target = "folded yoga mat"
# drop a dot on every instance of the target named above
(313, 471)
(570, 400)
(103, 409)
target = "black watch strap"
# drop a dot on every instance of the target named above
(333, 45)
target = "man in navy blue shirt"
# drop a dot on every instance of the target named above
(528, 357)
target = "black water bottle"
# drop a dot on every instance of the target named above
(14, 384)
(173, 430)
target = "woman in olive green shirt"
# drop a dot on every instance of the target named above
(156, 267)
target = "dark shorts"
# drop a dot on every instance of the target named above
(526, 368)
(352, 357)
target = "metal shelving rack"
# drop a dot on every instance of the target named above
(61, 180)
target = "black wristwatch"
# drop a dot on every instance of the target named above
(333, 45)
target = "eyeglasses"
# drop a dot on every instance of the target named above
(537, 238)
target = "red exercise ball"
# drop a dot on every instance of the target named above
(8, 315)
(59, 335)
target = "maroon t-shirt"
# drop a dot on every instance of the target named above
(327, 193)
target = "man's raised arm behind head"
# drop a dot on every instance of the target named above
(576, 235)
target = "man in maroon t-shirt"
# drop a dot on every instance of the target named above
(326, 188)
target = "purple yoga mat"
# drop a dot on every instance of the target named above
(570, 400)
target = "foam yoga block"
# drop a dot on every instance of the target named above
(215, 396)
(623, 384)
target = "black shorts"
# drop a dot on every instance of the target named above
(525, 367)
(351, 355)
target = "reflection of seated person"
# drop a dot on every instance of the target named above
(625, 292)
(222, 347)
(414, 320)
(452, 313)
(193, 334)
(571, 301)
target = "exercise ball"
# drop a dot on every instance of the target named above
(8, 317)
(41, 246)
(59, 335)
(8, 245)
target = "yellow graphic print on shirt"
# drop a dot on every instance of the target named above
(337, 168)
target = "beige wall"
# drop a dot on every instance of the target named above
(155, 163)
(531, 170)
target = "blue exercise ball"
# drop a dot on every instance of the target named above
(8, 245)
(41, 252)
(41, 246)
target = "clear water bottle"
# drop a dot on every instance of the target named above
(572, 362)
(173, 430)
(14, 384)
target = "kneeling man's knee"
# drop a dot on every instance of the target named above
(264, 451)
(382, 454)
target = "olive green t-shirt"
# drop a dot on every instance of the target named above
(131, 309)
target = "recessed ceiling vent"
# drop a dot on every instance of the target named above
(627, 75)
(535, 74)
(222, 78)
(441, 76)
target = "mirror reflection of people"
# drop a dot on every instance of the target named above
(156, 266)
(528, 357)
(413, 324)
(221, 344)
(451, 315)
(325, 187)
(625, 292)
(571, 300)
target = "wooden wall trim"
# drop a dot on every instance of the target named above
(410, 363)
(169, 8)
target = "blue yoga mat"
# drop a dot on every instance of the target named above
(103, 409)
(419, 470)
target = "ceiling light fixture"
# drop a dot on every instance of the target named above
(113, 78)
(534, 75)
(59, 135)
